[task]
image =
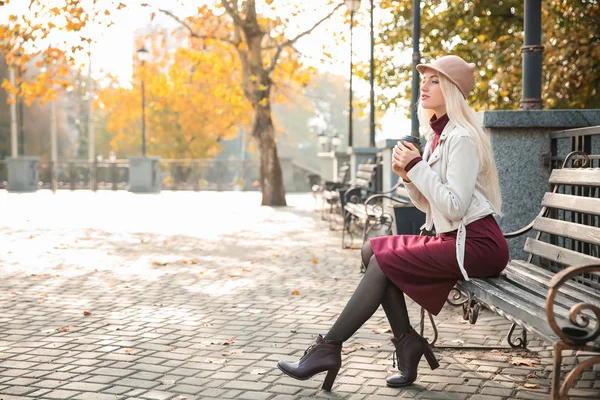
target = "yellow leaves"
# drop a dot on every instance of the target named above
(121, 6)
(263, 102)
(295, 293)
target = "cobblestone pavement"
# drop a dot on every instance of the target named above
(197, 295)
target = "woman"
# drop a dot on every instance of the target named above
(456, 184)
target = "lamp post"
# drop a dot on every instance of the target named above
(352, 6)
(372, 83)
(18, 55)
(143, 57)
(416, 59)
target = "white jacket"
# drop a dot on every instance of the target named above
(447, 187)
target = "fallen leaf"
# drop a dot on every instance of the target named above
(73, 325)
(531, 385)
(227, 342)
(531, 376)
(129, 350)
(383, 330)
(86, 313)
(63, 329)
(258, 371)
(352, 349)
(167, 382)
(159, 264)
(206, 324)
(295, 293)
(522, 361)
(274, 255)
(235, 351)
(315, 261)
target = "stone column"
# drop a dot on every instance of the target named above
(520, 142)
(23, 174)
(144, 175)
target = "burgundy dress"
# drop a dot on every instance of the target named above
(425, 267)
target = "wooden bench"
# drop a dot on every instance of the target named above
(364, 185)
(555, 293)
(332, 192)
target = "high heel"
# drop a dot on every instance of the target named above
(431, 360)
(329, 379)
(323, 355)
(410, 347)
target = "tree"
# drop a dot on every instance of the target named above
(193, 100)
(490, 34)
(262, 46)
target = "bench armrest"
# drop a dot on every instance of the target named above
(519, 232)
(578, 333)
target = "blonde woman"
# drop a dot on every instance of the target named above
(455, 183)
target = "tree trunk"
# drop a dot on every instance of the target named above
(271, 180)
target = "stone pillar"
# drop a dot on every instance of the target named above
(389, 178)
(361, 155)
(144, 175)
(330, 164)
(23, 174)
(520, 142)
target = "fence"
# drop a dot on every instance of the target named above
(176, 174)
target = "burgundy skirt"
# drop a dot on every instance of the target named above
(425, 267)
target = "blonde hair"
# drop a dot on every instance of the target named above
(462, 115)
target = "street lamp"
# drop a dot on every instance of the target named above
(329, 143)
(143, 55)
(352, 6)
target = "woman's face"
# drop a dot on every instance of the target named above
(431, 93)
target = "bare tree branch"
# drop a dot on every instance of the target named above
(193, 33)
(232, 10)
(290, 42)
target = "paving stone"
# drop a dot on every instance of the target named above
(175, 315)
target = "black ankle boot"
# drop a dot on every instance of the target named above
(409, 349)
(323, 355)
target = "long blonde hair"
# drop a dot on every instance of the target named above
(462, 115)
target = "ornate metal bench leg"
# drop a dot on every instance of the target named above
(456, 298)
(471, 309)
(518, 342)
(422, 328)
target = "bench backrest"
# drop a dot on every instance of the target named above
(344, 173)
(365, 175)
(568, 228)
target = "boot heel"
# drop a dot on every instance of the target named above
(430, 357)
(329, 379)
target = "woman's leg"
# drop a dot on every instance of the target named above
(372, 290)
(393, 303)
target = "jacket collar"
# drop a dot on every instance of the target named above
(432, 158)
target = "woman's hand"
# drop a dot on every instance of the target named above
(404, 152)
(398, 170)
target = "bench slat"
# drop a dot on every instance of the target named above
(558, 254)
(364, 175)
(487, 293)
(541, 277)
(515, 285)
(572, 230)
(576, 176)
(366, 167)
(586, 205)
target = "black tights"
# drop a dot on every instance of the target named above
(374, 289)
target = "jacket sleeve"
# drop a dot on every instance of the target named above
(417, 197)
(453, 197)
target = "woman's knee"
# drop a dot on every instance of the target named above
(366, 252)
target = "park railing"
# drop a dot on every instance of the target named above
(176, 174)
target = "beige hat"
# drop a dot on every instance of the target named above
(457, 70)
